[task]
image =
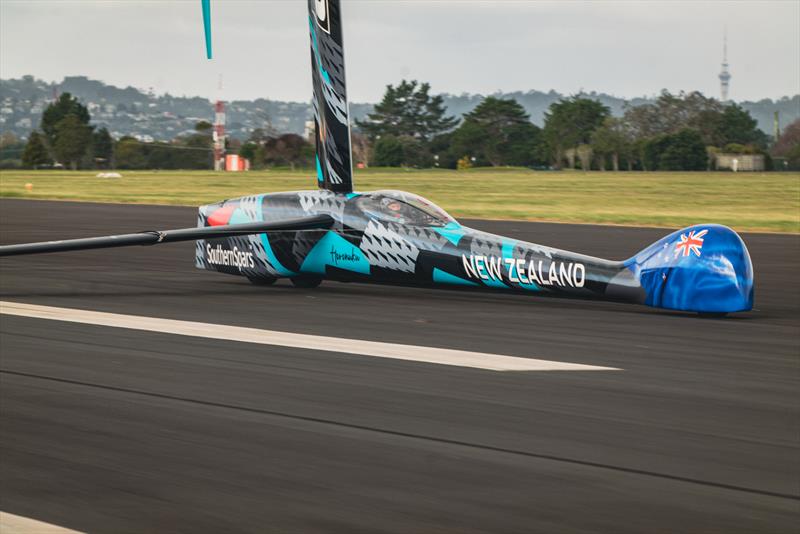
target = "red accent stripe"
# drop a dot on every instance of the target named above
(221, 216)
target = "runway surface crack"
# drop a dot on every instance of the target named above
(409, 435)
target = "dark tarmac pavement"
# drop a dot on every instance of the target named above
(114, 430)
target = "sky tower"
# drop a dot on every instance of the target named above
(724, 76)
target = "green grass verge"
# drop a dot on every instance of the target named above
(744, 201)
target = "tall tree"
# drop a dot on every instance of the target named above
(788, 146)
(671, 113)
(685, 151)
(498, 132)
(197, 150)
(612, 139)
(35, 153)
(72, 138)
(731, 124)
(57, 111)
(716, 124)
(388, 152)
(102, 147)
(129, 153)
(738, 126)
(681, 151)
(361, 148)
(248, 150)
(570, 122)
(11, 149)
(408, 110)
(288, 149)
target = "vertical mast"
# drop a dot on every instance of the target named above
(331, 113)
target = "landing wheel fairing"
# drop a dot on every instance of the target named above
(262, 280)
(306, 282)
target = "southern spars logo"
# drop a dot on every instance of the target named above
(230, 257)
(323, 15)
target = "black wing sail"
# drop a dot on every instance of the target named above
(155, 237)
(331, 113)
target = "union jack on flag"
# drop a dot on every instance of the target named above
(691, 243)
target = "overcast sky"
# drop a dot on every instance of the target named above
(261, 46)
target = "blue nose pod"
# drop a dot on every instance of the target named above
(704, 268)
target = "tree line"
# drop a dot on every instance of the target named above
(411, 128)
(66, 138)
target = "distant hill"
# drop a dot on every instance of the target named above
(131, 111)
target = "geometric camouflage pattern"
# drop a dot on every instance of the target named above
(366, 243)
(400, 238)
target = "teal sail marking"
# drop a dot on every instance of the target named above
(320, 178)
(508, 253)
(206, 5)
(335, 251)
(323, 72)
(443, 277)
(239, 217)
(452, 231)
(491, 282)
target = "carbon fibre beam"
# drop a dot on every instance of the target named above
(155, 237)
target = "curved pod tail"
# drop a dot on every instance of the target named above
(704, 268)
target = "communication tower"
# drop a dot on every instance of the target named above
(724, 76)
(219, 135)
(219, 132)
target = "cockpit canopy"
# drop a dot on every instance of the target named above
(403, 208)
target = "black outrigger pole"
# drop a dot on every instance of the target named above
(155, 237)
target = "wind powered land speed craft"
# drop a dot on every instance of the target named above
(401, 238)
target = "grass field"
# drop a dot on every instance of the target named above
(744, 201)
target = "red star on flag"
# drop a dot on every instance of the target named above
(691, 243)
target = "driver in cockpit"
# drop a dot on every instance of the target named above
(393, 207)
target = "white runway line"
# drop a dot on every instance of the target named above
(15, 524)
(459, 358)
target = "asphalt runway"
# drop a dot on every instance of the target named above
(113, 430)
